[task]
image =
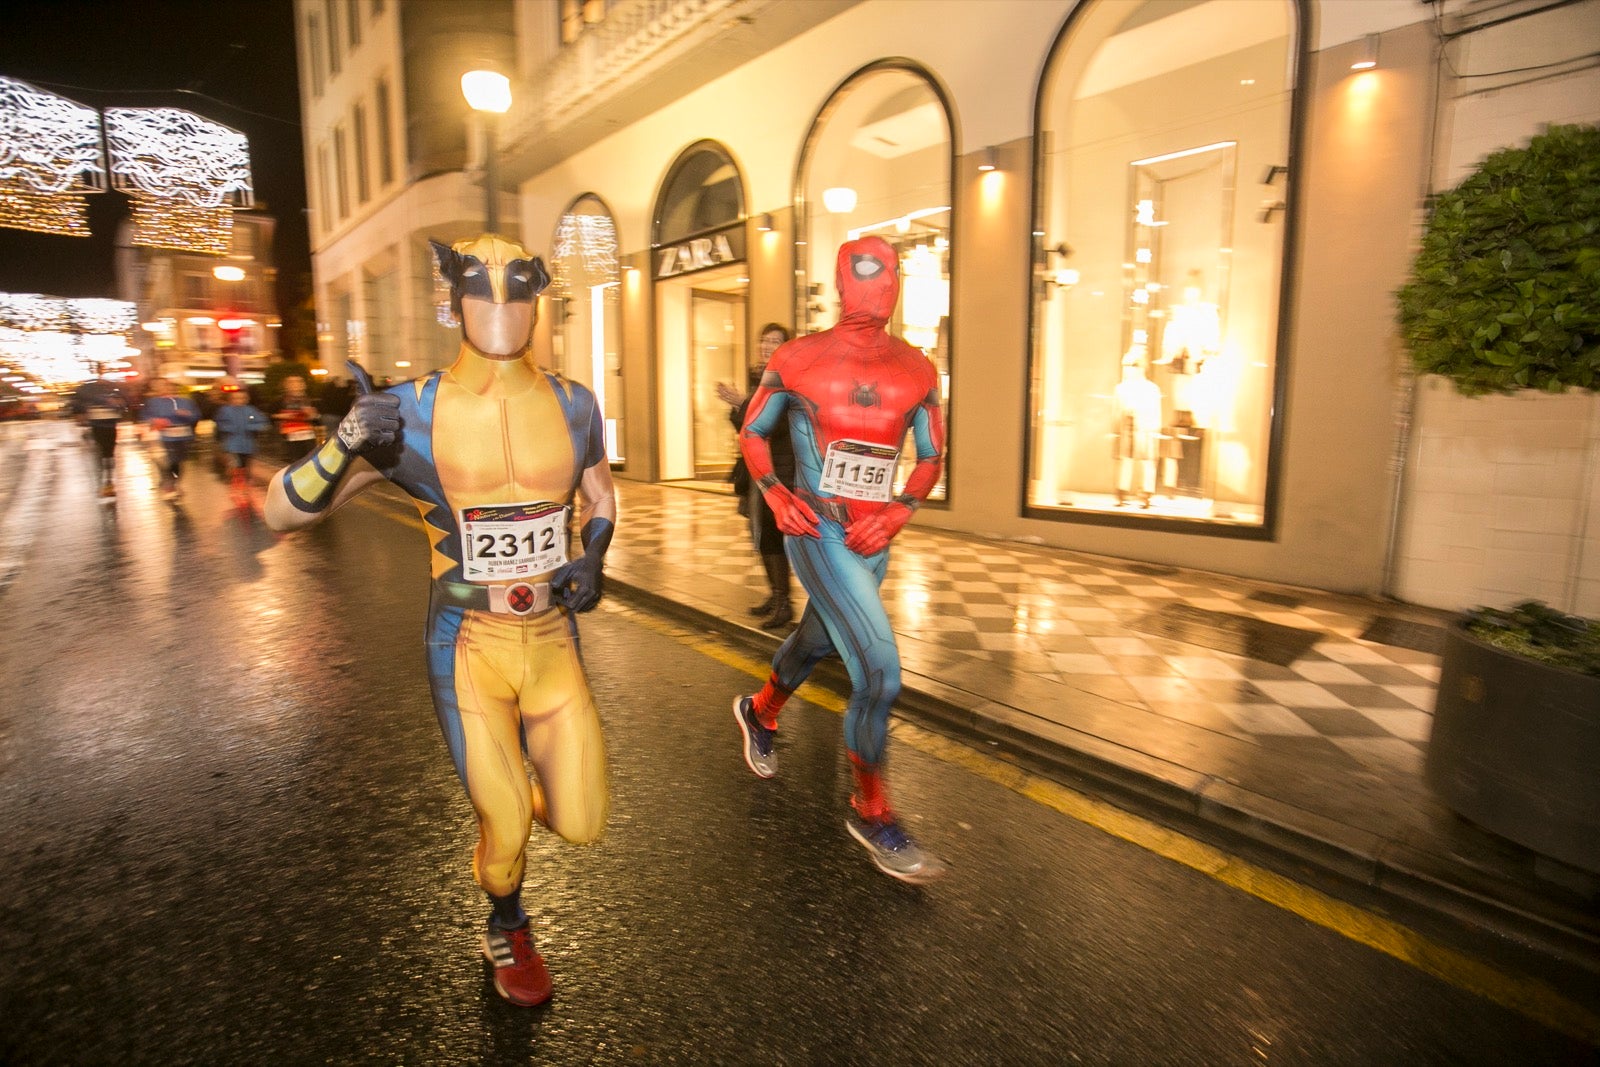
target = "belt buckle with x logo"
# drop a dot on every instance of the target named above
(519, 598)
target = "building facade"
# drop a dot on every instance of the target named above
(1150, 245)
(203, 317)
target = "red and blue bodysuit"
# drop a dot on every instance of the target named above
(851, 395)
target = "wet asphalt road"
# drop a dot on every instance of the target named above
(231, 835)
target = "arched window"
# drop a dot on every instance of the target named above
(702, 282)
(703, 192)
(586, 331)
(1164, 139)
(879, 160)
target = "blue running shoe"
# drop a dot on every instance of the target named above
(892, 849)
(757, 738)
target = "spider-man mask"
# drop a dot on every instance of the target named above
(869, 282)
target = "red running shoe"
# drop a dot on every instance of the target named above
(519, 972)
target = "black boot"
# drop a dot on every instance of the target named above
(776, 564)
(781, 616)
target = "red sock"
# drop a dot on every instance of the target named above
(769, 702)
(870, 799)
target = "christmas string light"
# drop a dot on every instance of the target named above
(50, 155)
(183, 173)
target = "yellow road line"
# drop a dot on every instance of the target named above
(1530, 997)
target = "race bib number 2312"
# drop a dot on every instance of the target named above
(500, 541)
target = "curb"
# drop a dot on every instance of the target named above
(1379, 873)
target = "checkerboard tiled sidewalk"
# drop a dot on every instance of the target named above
(1284, 669)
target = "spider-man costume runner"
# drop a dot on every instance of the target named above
(850, 393)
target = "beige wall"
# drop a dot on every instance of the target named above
(1359, 188)
(1502, 500)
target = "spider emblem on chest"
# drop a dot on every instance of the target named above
(865, 395)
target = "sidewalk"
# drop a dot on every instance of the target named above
(1287, 724)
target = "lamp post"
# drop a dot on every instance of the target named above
(489, 94)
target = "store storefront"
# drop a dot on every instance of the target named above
(1159, 262)
(584, 302)
(698, 253)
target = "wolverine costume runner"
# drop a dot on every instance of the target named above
(493, 451)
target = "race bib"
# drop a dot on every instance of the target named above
(177, 432)
(859, 470)
(306, 434)
(100, 414)
(500, 541)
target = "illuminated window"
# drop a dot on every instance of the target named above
(877, 161)
(1157, 277)
(585, 300)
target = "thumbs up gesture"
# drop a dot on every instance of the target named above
(374, 418)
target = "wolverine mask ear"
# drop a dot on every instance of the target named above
(450, 265)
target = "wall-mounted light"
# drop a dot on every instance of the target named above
(227, 273)
(1366, 53)
(988, 160)
(764, 222)
(839, 200)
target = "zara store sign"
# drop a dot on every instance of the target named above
(701, 253)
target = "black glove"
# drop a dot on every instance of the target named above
(374, 418)
(578, 584)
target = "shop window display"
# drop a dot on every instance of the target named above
(584, 301)
(1158, 263)
(878, 163)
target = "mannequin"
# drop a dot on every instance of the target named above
(1193, 334)
(1136, 403)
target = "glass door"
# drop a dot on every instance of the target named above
(716, 346)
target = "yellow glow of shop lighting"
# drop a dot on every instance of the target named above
(906, 219)
(226, 273)
(839, 200)
(184, 174)
(1185, 152)
(50, 155)
(1367, 54)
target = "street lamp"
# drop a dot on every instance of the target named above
(489, 94)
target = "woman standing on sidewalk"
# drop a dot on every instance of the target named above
(767, 539)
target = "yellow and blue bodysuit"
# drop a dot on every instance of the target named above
(494, 451)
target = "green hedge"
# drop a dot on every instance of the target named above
(1505, 291)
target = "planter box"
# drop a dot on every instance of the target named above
(1516, 749)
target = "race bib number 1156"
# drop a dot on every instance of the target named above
(501, 541)
(859, 470)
